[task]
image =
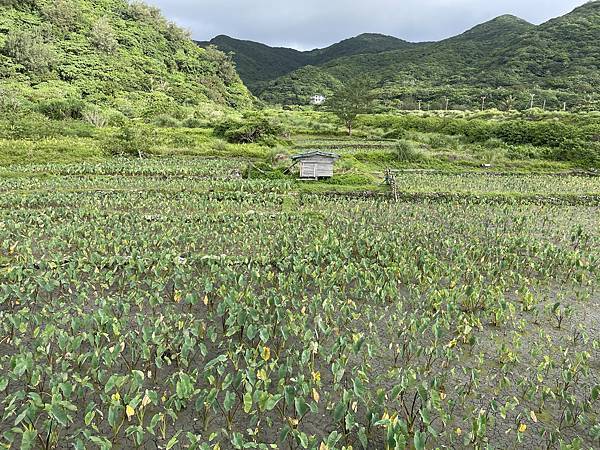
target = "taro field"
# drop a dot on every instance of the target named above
(171, 304)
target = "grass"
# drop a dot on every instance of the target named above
(365, 155)
(52, 150)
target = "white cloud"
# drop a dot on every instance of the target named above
(316, 23)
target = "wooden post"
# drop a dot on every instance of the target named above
(390, 179)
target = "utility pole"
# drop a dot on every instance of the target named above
(532, 98)
(564, 106)
(447, 103)
(420, 101)
(544, 107)
(483, 102)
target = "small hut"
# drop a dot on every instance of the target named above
(316, 164)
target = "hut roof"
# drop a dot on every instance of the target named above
(315, 153)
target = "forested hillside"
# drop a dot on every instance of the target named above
(62, 56)
(258, 63)
(504, 60)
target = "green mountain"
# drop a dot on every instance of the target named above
(112, 53)
(258, 63)
(503, 60)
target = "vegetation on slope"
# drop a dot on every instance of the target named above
(61, 56)
(258, 63)
(504, 60)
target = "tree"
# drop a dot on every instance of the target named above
(225, 67)
(348, 102)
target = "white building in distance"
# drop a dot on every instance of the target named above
(317, 99)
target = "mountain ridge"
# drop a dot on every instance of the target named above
(506, 53)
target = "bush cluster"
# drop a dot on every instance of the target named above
(60, 109)
(559, 141)
(129, 140)
(250, 129)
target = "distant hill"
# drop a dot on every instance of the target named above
(114, 53)
(258, 63)
(503, 60)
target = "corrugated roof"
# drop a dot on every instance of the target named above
(316, 153)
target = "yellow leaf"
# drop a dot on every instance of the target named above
(266, 353)
(533, 416)
(130, 412)
(315, 395)
(262, 375)
(522, 428)
(116, 396)
(458, 431)
(323, 446)
(293, 422)
(205, 300)
(177, 296)
(316, 376)
(145, 401)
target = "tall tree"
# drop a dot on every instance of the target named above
(350, 100)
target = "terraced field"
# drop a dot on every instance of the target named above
(169, 303)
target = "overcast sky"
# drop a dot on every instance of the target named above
(307, 24)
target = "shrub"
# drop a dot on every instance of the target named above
(138, 10)
(156, 104)
(62, 13)
(103, 36)
(494, 143)
(129, 140)
(28, 49)
(94, 117)
(440, 141)
(406, 151)
(578, 151)
(396, 133)
(192, 122)
(166, 121)
(10, 102)
(60, 109)
(250, 129)
(18, 4)
(528, 152)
